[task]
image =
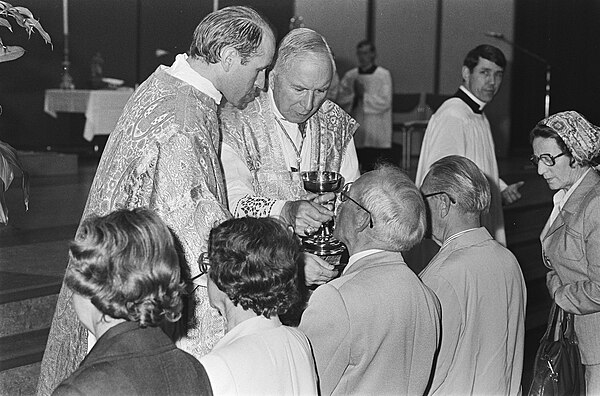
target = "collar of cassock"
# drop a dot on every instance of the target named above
(466, 97)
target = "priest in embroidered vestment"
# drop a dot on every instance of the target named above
(289, 129)
(163, 154)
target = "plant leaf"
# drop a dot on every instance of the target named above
(38, 26)
(24, 11)
(10, 52)
(5, 23)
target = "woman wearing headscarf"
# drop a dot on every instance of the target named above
(565, 150)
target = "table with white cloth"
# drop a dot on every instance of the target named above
(102, 108)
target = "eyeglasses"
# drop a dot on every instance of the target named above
(345, 197)
(439, 193)
(204, 266)
(547, 159)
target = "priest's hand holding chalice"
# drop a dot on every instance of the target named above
(307, 216)
(322, 242)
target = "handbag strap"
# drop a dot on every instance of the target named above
(569, 327)
(560, 325)
(552, 319)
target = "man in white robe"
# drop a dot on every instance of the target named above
(460, 127)
(366, 93)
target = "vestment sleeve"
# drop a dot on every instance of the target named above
(326, 324)
(378, 96)
(185, 192)
(583, 297)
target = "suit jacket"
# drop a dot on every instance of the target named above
(483, 297)
(129, 360)
(571, 249)
(374, 330)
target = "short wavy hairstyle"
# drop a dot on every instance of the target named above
(462, 180)
(128, 265)
(255, 262)
(396, 206)
(239, 27)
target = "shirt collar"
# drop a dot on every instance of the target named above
(474, 103)
(562, 196)
(254, 325)
(182, 70)
(369, 70)
(455, 236)
(357, 256)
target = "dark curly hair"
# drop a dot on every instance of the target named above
(255, 262)
(127, 264)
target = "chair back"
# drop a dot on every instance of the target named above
(405, 103)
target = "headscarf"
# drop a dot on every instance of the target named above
(581, 136)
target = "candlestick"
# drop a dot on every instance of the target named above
(65, 17)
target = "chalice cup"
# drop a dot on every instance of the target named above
(322, 243)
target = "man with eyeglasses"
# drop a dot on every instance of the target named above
(375, 329)
(479, 285)
(460, 127)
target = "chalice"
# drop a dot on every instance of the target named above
(322, 243)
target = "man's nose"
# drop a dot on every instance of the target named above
(307, 100)
(541, 168)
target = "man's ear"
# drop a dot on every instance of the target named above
(465, 73)
(229, 56)
(444, 206)
(362, 220)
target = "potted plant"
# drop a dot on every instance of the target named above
(9, 161)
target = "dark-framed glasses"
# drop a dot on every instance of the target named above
(204, 266)
(546, 159)
(450, 197)
(345, 197)
(203, 263)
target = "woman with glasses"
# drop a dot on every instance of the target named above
(566, 149)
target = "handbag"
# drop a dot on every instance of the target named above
(557, 368)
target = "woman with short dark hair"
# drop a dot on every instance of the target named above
(125, 275)
(253, 278)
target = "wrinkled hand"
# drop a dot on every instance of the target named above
(309, 213)
(317, 271)
(511, 193)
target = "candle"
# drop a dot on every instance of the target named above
(65, 17)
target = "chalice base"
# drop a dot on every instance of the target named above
(323, 247)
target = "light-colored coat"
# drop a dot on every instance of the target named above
(482, 292)
(374, 330)
(571, 249)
